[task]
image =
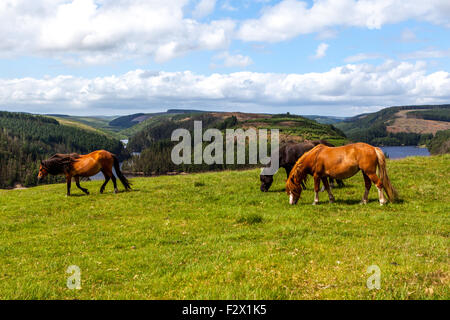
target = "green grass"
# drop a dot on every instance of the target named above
(216, 236)
(96, 124)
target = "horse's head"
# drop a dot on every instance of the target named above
(266, 182)
(43, 171)
(293, 189)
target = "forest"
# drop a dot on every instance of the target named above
(440, 143)
(26, 139)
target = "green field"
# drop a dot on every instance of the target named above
(216, 236)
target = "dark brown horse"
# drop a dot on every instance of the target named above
(341, 163)
(288, 155)
(75, 166)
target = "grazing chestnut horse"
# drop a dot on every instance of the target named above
(341, 163)
(76, 166)
(288, 155)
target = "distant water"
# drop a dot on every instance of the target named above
(397, 152)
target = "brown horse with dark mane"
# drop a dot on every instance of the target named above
(341, 163)
(288, 155)
(75, 166)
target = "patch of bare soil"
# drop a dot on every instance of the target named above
(404, 124)
(288, 123)
(19, 186)
(254, 125)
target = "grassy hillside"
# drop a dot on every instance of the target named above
(128, 121)
(325, 119)
(96, 124)
(216, 236)
(408, 125)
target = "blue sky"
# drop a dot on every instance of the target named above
(327, 57)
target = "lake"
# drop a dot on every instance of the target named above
(397, 152)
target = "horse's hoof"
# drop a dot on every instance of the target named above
(332, 201)
(87, 193)
(116, 190)
(315, 203)
(363, 202)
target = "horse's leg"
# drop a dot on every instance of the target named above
(374, 178)
(113, 178)
(331, 183)
(367, 184)
(328, 188)
(288, 169)
(107, 178)
(77, 181)
(316, 189)
(69, 182)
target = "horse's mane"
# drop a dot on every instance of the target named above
(60, 163)
(321, 141)
(298, 173)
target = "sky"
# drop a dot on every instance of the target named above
(323, 57)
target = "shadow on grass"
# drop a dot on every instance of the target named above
(75, 195)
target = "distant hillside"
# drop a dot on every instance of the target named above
(99, 124)
(25, 139)
(128, 121)
(440, 143)
(404, 125)
(325, 119)
(153, 140)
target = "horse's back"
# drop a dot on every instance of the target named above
(99, 155)
(347, 160)
(292, 152)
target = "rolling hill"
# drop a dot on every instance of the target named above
(153, 139)
(404, 125)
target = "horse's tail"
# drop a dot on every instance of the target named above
(390, 190)
(122, 178)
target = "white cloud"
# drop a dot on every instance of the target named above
(204, 8)
(89, 31)
(226, 5)
(321, 51)
(358, 86)
(362, 57)
(290, 18)
(229, 61)
(429, 53)
(101, 31)
(408, 36)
